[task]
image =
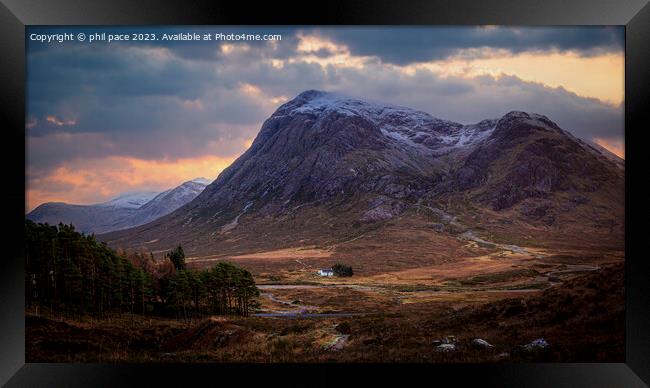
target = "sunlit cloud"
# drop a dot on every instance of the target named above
(279, 100)
(257, 92)
(89, 181)
(320, 50)
(600, 77)
(236, 48)
(616, 147)
(250, 89)
(313, 43)
(277, 63)
(60, 122)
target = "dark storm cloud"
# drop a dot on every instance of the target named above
(183, 49)
(421, 44)
(135, 102)
(121, 88)
(399, 45)
(107, 72)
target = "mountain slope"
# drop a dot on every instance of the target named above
(325, 168)
(529, 156)
(165, 203)
(125, 211)
(86, 218)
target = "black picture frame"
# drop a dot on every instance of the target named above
(16, 14)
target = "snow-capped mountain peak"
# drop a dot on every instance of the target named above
(201, 180)
(319, 102)
(402, 126)
(131, 200)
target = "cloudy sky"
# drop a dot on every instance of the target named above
(107, 118)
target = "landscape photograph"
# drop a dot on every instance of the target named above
(325, 194)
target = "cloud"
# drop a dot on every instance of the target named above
(574, 72)
(406, 45)
(96, 180)
(146, 104)
(616, 146)
(46, 153)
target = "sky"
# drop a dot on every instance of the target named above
(107, 118)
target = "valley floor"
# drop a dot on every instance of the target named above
(579, 315)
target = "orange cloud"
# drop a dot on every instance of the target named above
(227, 48)
(312, 43)
(339, 55)
(89, 181)
(250, 89)
(600, 76)
(613, 146)
(60, 122)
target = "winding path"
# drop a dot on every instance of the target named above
(298, 310)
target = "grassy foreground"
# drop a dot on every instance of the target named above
(582, 321)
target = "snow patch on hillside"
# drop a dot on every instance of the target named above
(405, 126)
(132, 200)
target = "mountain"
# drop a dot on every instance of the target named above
(326, 169)
(165, 202)
(131, 200)
(86, 218)
(124, 211)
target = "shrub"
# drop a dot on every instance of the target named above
(343, 328)
(342, 270)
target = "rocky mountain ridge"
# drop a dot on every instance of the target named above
(358, 162)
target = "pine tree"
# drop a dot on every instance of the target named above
(177, 257)
(75, 274)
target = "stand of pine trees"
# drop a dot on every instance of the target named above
(74, 274)
(224, 289)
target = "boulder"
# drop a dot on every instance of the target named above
(446, 348)
(478, 343)
(450, 339)
(538, 344)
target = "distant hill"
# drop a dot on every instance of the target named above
(124, 211)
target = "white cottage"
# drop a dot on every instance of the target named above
(326, 272)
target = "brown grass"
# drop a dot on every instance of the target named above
(583, 320)
(412, 283)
